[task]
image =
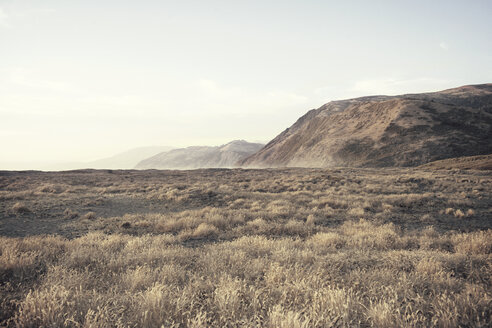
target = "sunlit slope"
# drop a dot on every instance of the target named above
(406, 130)
(202, 156)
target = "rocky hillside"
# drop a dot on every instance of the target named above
(378, 131)
(201, 156)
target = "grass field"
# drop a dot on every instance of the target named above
(252, 248)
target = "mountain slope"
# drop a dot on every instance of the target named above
(201, 156)
(406, 130)
(480, 162)
(127, 159)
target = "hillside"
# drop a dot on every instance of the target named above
(379, 131)
(482, 162)
(201, 156)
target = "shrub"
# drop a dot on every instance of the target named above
(69, 214)
(459, 213)
(205, 230)
(89, 216)
(357, 212)
(20, 208)
(479, 242)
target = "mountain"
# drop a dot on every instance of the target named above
(127, 159)
(124, 160)
(201, 156)
(379, 131)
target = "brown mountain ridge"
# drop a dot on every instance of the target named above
(195, 157)
(381, 131)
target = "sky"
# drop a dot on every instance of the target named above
(83, 80)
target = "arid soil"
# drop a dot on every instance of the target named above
(55, 202)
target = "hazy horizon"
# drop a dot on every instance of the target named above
(84, 80)
(98, 163)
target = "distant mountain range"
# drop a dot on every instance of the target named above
(127, 159)
(380, 131)
(224, 156)
(375, 131)
(124, 160)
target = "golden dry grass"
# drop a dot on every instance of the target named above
(360, 274)
(250, 248)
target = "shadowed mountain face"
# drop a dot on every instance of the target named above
(201, 156)
(406, 130)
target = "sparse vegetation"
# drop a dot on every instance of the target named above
(89, 216)
(69, 214)
(274, 248)
(20, 208)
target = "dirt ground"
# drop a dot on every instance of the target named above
(56, 202)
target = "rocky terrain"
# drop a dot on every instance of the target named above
(382, 131)
(201, 156)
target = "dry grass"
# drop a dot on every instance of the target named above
(20, 208)
(267, 248)
(88, 216)
(358, 274)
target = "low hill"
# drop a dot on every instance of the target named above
(482, 162)
(201, 156)
(379, 131)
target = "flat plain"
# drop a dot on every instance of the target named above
(294, 247)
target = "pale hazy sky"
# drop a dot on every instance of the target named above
(81, 80)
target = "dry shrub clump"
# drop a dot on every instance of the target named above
(87, 216)
(477, 243)
(52, 188)
(70, 214)
(20, 208)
